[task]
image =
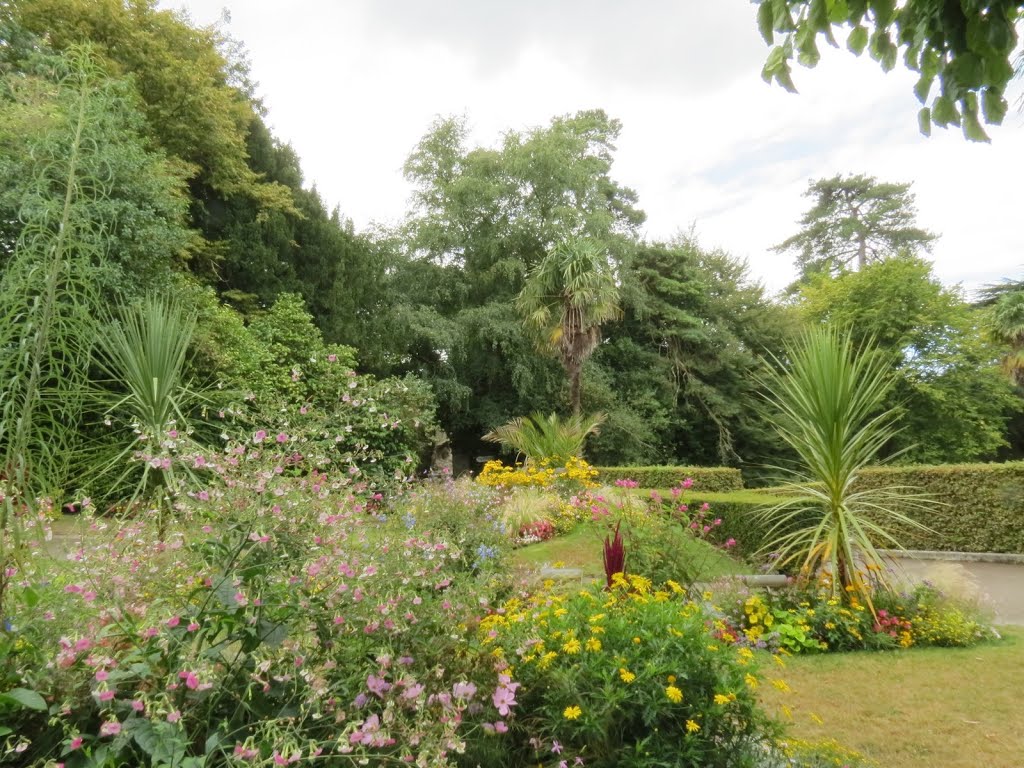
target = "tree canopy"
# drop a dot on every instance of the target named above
(855, 221)
(962, 51)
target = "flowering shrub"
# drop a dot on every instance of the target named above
(632, 676)
(541, 530)
(813, 620)
(304, 621)
(566, 477)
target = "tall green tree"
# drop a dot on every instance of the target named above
(955, 398)
(967, 47)
(566, 299)
(482, 219)
(855, 221)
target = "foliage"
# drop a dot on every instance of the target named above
(144, 354)
(855, 221)
(1006, 324)
(676, 374)
(967, 47)
(538, 437)
(813, 619)
(566, 299)
(706, 479)
(245, 641)
(567, 477)
(632, 677)
(830, 401)
(980, 511)
(948, 383)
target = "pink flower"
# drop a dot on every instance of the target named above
(193, 627)
(106, 695)
(191, 681)
(75, 743)
(173, 621)
(110, 728)
(688, 482)
(259, 436)
(464, 690)
(332, 358)
(173, 717)
(101, 675)
(137, 705)
(504, 696)
(282, 437)
(377, 685)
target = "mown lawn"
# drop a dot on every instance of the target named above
(922, 708)
(583, 549)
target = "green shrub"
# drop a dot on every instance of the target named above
(979, 507)
(711, 479)
(631, 677)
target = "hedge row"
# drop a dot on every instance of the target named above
(709, 479)
(975, 508)
(979, 507)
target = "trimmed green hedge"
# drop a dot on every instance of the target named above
(978, 507)
(708, 479)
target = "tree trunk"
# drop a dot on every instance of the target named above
(575, 388)
(862, 251)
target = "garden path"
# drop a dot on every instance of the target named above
(998, 585)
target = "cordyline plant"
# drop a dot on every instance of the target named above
(614, 556)
(830, 398)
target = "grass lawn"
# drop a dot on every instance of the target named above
(583, 549)
(923, 708)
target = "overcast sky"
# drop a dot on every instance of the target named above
(352, 85)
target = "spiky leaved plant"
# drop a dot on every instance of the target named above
(537, 437)
(830, 399)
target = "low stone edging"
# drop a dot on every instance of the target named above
(966, 557)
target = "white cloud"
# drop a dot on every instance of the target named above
(353, 85)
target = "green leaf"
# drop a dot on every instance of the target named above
(782, 19)
(30, 597)
(923, 87)
(838, 11)
(5, 731)
(24, 698)
(993, 106)
(944, 111)
(807, 45)
(972, 126)
(884, 10)
(924, 121)
(765, 18)
(858, 40)
(968, 70)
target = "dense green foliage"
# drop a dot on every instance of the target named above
(707, 479)
(201, 199)
(855, 221)
(975, 508)
(966, 46)
(968, 507)
(954, 397)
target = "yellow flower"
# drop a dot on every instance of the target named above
(573, 646)
(692, 727)
(626, 675)
(546, 659)
(559, 564)
(750, 680)
(781, 685)
(593, 645)
(671, 678)
(571, 713)
(636, 641)
(721, 698)
(674, 694)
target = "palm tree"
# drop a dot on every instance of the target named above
(1007, 325)
(830, 401)
(539, 437)
(566, 298)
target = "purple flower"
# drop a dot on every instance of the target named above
(377, 685)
